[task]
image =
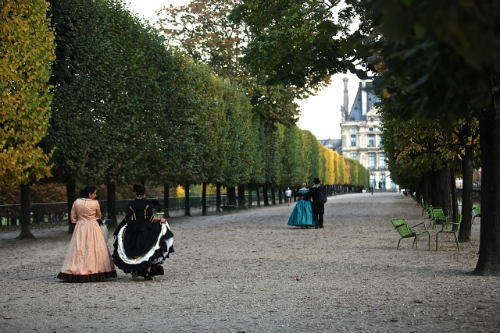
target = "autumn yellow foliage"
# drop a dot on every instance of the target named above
(26, 54)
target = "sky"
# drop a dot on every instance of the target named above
(319, 114)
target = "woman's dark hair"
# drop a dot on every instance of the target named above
(86, 191)
(139, 189)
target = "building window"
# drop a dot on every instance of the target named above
(371, 160)
(353, 140)
(371, 140)
(353, 130)
(381, 160)
(382, 181)
(373, 184)
(354, 156)
(370, 129)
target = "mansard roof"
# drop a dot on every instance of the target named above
(356, 113)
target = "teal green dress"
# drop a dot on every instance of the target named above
(302, 213)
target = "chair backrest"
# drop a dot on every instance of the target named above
(452, 226)
(437, 213)
(476, 211)
(402, 227)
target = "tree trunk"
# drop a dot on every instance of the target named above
(454, 199)
(111, 189)
(166, 199)
(489, 248)
(231, 196)
(70, 198)
(187, 206)
(25, 213)
(280, 195)
(273, 196)
(241, 196)
(427, 188)
(467, 170)
(442, 196)
(217, 197)
(264, 193)
(435, 193)
(257, 193)
(204, 199)
(250, 199)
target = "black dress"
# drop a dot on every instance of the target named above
(142, 242)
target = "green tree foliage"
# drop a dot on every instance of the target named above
(212, 125)
(307, 34)
(257, 175)
(270, 148)
(204, 31)
(103, 80)
(291, 157)
(241, 137)
(315, 158)
(455, 69)
(26, 53)
(194, 98)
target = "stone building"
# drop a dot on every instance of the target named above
(361, 135)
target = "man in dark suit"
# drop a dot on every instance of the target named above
(318, 197)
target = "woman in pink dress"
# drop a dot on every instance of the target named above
(88, 258)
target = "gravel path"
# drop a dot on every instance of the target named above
(250, 272)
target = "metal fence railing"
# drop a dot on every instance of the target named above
(57, 212)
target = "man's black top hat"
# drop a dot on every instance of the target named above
(316, 180)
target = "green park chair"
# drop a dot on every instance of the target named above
(405, 231)
(450, 227)
(437, 216)
(476, 212)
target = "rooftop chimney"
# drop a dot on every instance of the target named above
(346, 98)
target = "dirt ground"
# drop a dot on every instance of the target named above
(249, 272)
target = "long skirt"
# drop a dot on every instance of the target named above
(88, 258)
(301, 215)
(136, 248)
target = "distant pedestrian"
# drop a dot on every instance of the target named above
(318, 203)
(302, 213)
(288, 194)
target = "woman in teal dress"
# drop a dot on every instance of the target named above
(302, 213)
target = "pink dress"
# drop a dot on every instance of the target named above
(88, 257)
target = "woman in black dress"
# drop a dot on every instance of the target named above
(142, 241)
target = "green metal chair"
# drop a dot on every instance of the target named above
(450, 227)
(405, 231)
(476, 212)
(437, 216)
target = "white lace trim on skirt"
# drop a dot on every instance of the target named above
(138, 260)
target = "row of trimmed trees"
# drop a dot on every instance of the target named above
(127, 108)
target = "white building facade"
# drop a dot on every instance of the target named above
(361, 136)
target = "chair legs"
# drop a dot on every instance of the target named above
(415, 241)
(455, 236)
(456, 241)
